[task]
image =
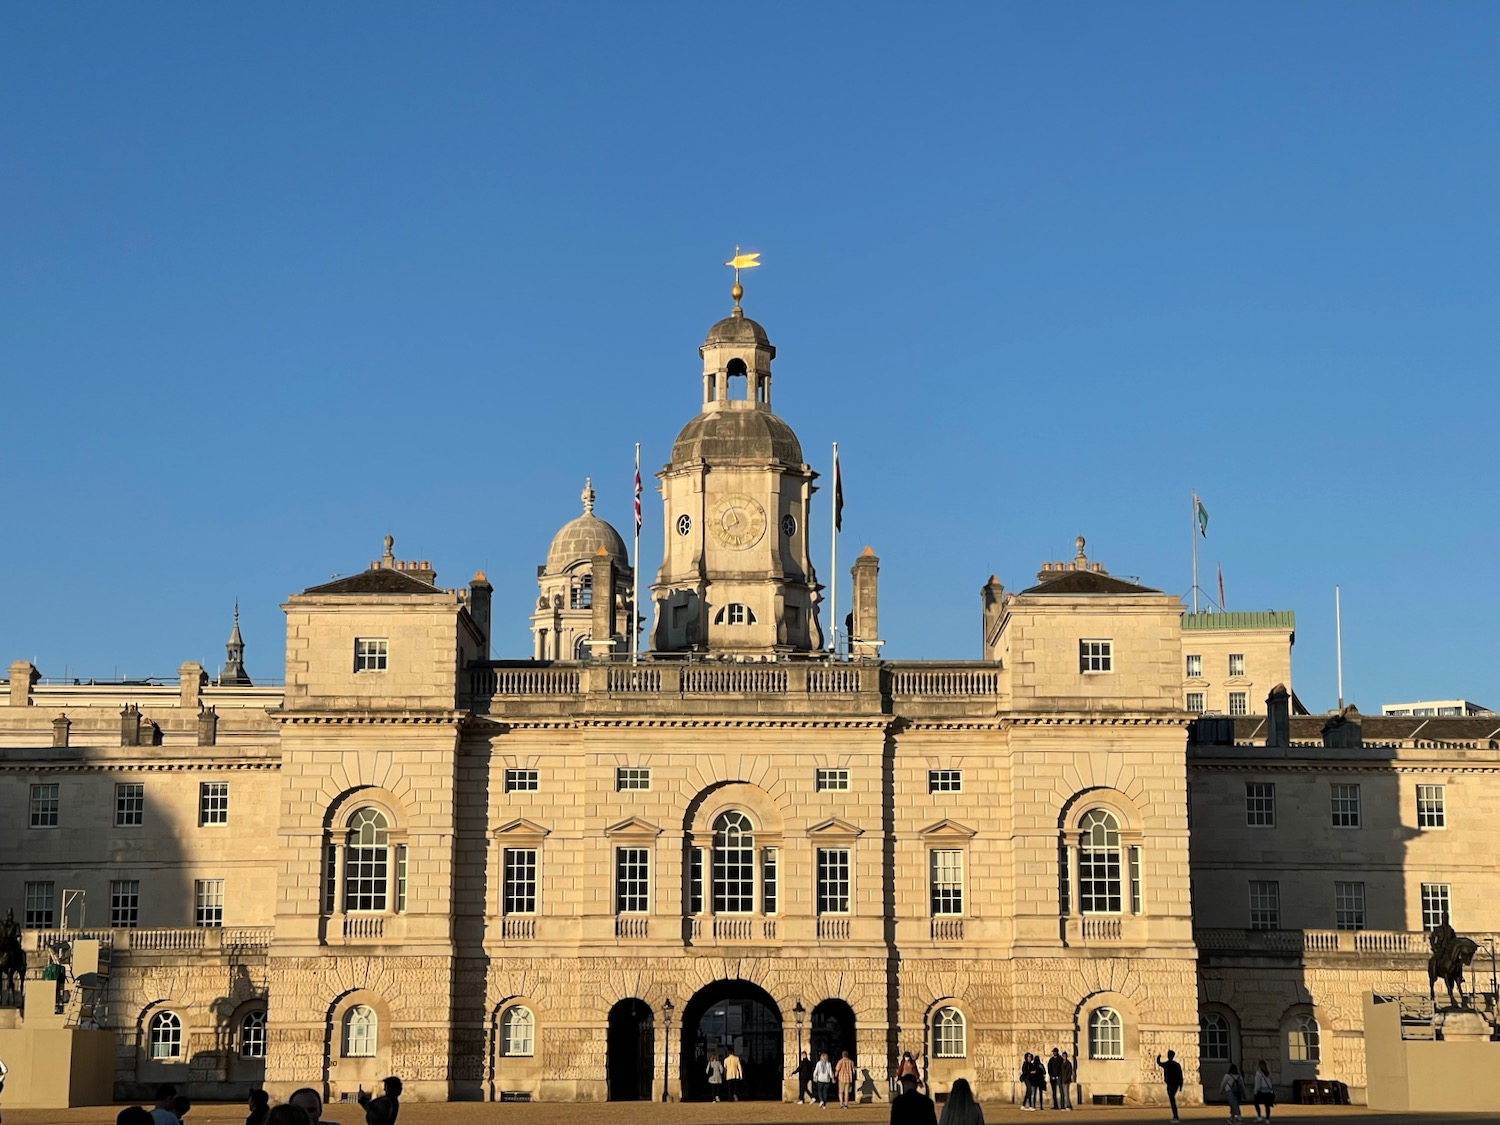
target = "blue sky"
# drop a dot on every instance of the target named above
(279, 279)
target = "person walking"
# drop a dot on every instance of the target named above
(1233, 1088)
(911, 1106)
(843, 1074)
(1171, 1073)
(804, 1072)
(715, 1072)
(1263, 1091)
(822, 1079)
(961, 1108)
(1025, 1077)
(907, 1065)
(1068, 1074)
(1054, 1075)
(734, 1074)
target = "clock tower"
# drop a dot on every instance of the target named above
(736, 576)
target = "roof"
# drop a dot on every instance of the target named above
(1088, 582)
(729, 434)
(737, 329)
(1268, 619)
(1378, 729)
(376, 581)
(582, 538)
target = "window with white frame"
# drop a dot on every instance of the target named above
(213, 803)
(632, 880)
(946, 880)
(1194, 666)
(521, 781)
(1236, 663)
(632, 777)
(130, 804)
(695, 880)
(769, 892)
(1435, 905)
(1196, 703)
(164, 1036)
(1100, 886)
(1265, 904)
(367, 862)
(208, 902)
(1239, 703)
(734, 864)
(44, 806)
(1302, 1044)
(361, 1032)
(833, 880)
(832, 780)
(517, 1032)
(1136, 898)
(1096, 656)
(518, 881)
(124, 904)
(371, 654)
(253, 1035)
(1349, 906)
(1106, 1034)
(945, 781)
(1432, 806)
(1345, 800)
(40, 913)
(1260, 804)
(1213, 1038)
(948, 1033)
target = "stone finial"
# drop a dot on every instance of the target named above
(587, 496)
(389, 557)
(1082, 558)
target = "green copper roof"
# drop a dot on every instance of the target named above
(1269, 619)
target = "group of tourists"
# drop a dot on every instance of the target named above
(1037, 1074)
(1260, 1092)
(304, 1107)
(821, 1078)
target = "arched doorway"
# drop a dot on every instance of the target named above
(737, 1014)
(831, 1029)
(630, 1062)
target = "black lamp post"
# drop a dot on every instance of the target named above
(801, 1013)
(666, 1053)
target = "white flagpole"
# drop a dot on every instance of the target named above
(833, 562)
(635, 563)
(1338, 643)
(1195, 550)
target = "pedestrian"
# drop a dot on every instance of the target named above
(289, 1114)
(1171, 1073)
(380, 1111)
(1054, 1075)
(260, 1105)
(961, 1108)
(1068, 1073)
(843, 1074)
(310, 1102)
(180, 1106)
(804, 1072)
(911, 1106)
(715, 1072)
(390, 1089)
(1233, 1087)
(1264, 1092)
(734, 1074)
(907, 1065)
(1038, 1081)
(822, 1079)
(166, 1094)
(1025, 1078)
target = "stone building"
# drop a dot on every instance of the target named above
(576, 875)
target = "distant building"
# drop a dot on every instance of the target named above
(1436, 709)
(1231, 661)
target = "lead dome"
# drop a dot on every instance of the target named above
(579, 539)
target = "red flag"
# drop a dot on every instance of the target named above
(1221, 586)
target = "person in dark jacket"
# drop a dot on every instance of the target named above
(1054, 1075)
(911, 1106)
(1171, 1074)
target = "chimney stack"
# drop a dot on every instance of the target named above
(1279, 717)
(864, 635)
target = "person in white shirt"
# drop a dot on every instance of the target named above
(823, 1078)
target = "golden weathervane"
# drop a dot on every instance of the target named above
(737, 263)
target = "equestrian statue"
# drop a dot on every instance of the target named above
(12, 956)
(1450, 953)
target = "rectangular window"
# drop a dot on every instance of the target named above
(400, 878)
(1239, 703)
(1095, 656)
(945, 781)
(330, 877)
(371, 654)
(1435, 905)
(946, 866)
(208, 902)
(632, 777)
(130, 804)
(518, 891)
(1194, 666)
(695, 881)
(1236, 663)
(44, 806)
(1195, 702)
(832, 781)
(1260, 804)
(632, 880)
(734, 877)
(768, 887)
(1349, 906)
(366, 877)
(1345, 799)
(39, 906)
(1432, 808)
(1265, 905)
(833, 880)
(213, 803)
(1135, 879)
(520, 781)
(124, 904)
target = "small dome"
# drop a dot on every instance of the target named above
(737, 330)
(717, 436)
(580, 539)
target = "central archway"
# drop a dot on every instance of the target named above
(831, 1029)
(733, 1014)
(630, 1058)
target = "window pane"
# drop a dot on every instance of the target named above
(164, 1036)
(361, 1032)
(518, 894)
(1265, 905)
(632, 777)
(39, 913)
(1100, 885)
(1095, 656)
(833, 880)
(947, 878)
(1106, 1034)
(1432, 811)
(1345, 799)
(130, 805)
(1434, 905)
(44, 806)
(213, 802)
(632, 880)
(124, 904)
(517, 1032)
(208, 902)
(944, 781)
(1260, 804)
(948, 1033)
(1349, 906)
(520, 781)
(1213, 1038)
(832, 780)
(734, 864)
(253, 1036)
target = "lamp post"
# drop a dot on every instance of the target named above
(666, 1051)
(801, 1013)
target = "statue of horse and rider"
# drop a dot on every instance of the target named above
(1450, 954)
(12, 956)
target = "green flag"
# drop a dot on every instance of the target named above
(1202, 519)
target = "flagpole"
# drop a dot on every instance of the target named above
(833, 561)
(1195, 550)
(635, 566)
(1338, 642)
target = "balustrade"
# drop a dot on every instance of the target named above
(733, 680)
(632, 927)
(833, 929)
(518, 929)
(364, 927)
(947, 929)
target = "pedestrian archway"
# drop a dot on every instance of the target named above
(831, 1029)
(733, 1014)
(630, 1051)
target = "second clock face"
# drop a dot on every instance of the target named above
(737, 521)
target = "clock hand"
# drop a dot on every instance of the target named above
(731, 518)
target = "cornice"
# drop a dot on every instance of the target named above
(104, 766)
(1335, 766)
(370, 718)
(1055, 720)
(691, 722)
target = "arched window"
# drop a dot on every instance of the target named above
(1099, 886)
(948, 1033)
(517, 1032)
(735, 614)
(1213, 1038)
(581, 649)
(253, 1035)
(367, 861)
(581, 595)
(734, 864)
(1106, 1034)
(164, 1036)
(1302, 1040)
(361, 1032)
(736, 379)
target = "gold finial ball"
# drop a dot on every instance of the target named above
(737, 292)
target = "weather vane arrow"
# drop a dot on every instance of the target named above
(737, 263)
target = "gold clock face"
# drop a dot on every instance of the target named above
(737, 521)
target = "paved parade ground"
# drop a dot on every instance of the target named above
(745, 1113)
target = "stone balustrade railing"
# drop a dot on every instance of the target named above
(1399, 943)
(175, 939)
